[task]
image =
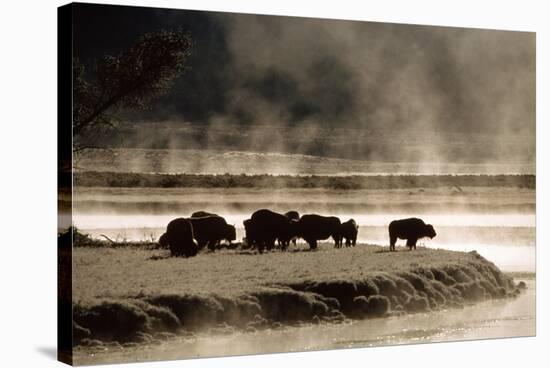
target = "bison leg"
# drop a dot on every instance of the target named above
(393, 239)
(411, 243)
(174, 250)
(213, 245)
(312, 243)
(260, 244)
(354, 241)
(190, 252)
(285, 245)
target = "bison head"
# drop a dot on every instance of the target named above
(293, 229)
(230, 233)
(163, 240)
(430, 231)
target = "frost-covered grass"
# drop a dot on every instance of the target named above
(120, 294)
(129, 272)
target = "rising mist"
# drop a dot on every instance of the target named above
(332, 88)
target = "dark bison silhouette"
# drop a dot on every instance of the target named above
(411, 229)
(268, 226)
(316, 227)
(292, 215)
(163, 240)
(211, 230)
(250, 233)
(202, 214)
(349, 232)
(179, 238)
(295, 216)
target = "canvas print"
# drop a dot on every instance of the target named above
(237, 184)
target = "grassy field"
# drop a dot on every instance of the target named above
(121, 294)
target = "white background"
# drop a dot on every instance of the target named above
(28, 179)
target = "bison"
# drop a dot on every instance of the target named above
(179, 238)
(316, 227)
(411, 229)
(348, 231)
(268, 226)
(210, 230)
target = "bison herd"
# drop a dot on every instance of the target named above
(265, 228)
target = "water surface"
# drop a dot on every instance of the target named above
(490, 319)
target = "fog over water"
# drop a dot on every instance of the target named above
(328, 88)
(497, 222)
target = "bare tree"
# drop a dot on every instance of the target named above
(128, 80)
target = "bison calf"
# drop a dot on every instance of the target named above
(349, 230)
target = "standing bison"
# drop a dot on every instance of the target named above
(179, 238)
(316, 227)
(268, 226)
(349, 230)
(411, 229)
(211, 230)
